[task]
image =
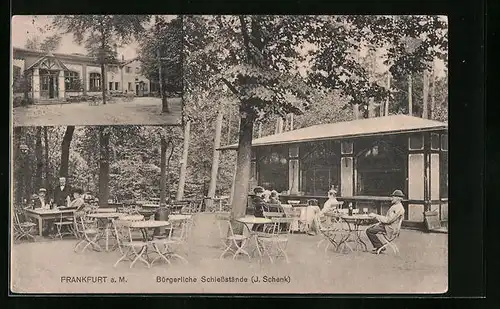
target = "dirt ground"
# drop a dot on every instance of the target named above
(140, 111)
(421, 267)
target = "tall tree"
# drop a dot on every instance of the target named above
(216, 154)
(160, 53)
(101, 33)
(183, 170)
(46, 157)
(65, 146)
(104, 134)
(39, 158)
(252, 56)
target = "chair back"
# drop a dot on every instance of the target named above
(273, 214)
(122, 231)
(281, 225)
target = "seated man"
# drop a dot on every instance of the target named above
(388, 224)
(259, 206)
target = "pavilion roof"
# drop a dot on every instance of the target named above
(394, 124)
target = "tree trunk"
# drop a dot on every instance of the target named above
(355, 111)
(387, 100)
(410, 95)
(65, 145)
(216, 155)
(167, 177)
(241, 184)
(39, 158)
(433, 94)
(46, 155)
(161, 81)
(371, 108)
(229, 123)
(103, 85)
(17, 159)
(185, 151)
(163, 167)
(103, 165)
(425, 97)
(291, 122)
(260, 130)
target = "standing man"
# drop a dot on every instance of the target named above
(389, 224)
(62, 193)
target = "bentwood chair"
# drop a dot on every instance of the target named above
(329, 233)
(273, 242)
(86, 231)
(130, 248)
(23, 228)
(169, 247)
(388, 240)
(235, 242)
(65, 226)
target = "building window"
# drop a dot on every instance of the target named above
(416, 142)
(273, 168)
(434, 141)
(128, 69)
(443, 182)
(145, 87)
(95, 82)
(380, 169)
(319, 164)
(72, 81)
(117, 85)
(129, 86)
(346, 147)
(444, 142)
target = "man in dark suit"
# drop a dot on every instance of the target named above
(62, 193)
(259, 206)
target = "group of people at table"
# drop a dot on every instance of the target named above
(268, 201)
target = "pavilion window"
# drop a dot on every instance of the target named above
(443, 182)
(71, 81)
(95, 82)
(273, 168)
(380, 169)
(319, 164)
(435, 141)
(416, 142)
(444, 142)
(117, 85)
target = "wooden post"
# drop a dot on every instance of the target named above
(216, 155)
(410, 94)
(185, 150)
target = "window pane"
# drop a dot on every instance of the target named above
(444, 142)
(346, 147)
(434, 141)
(417, 142)
(443, 183)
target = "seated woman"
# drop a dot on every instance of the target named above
(78, 203)
(274, 204)
(313, 211)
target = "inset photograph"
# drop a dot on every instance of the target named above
(96, 70)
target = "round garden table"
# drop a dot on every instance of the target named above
(104, 221)
(149, 224)
(132, 217)
(354, 223)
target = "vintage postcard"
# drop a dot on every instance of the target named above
(313, 156)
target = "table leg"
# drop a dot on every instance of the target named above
(40, 226)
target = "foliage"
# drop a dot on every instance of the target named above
(166, 38)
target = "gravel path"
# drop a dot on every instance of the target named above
(140, 111)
